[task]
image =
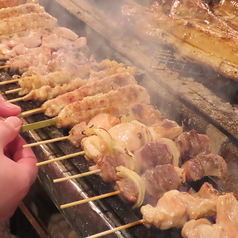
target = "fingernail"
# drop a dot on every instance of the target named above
(14, 122)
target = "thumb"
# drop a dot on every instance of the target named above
(9, 130)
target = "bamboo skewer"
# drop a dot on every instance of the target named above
(16, 90)
(9, 81)
(60, 158)
(46, 141)
(16, 100)
(89, 199)
(32, 112)
(4, 66)
(117, 229)
(77, 176)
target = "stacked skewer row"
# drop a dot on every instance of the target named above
(147, 157)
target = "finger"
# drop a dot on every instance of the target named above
(8, 109)
(9, 130)
(24, 157)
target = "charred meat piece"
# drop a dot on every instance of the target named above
(166, 129)
(191, 144)
(227, 10)
(205, 165)
(162, 178)
(154, 182)
(152, 154)
(191, 29)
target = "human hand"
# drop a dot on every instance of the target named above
(18, 168)
(8, 109)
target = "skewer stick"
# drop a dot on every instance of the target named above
(117, 229)
(89, 199)
(4, 66)
(46, 141)
(77, 176)
(9, 81)
(16, 90)
(15, 100)
(32, 112)
(60, 158)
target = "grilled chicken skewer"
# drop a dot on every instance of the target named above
(44, 60)
(90, 106)
(54, 84)
(207, 200)
(41, 38)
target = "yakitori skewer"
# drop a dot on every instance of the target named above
(90, 106)
(60, 158)
(54, 106)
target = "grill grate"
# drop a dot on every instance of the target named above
(165, 59)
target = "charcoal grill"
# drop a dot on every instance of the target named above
(181, 90)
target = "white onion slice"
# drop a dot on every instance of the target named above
(124, 172)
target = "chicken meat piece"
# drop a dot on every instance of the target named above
(202, 228)
(166, 129)
(103, 120)
(175, 208)
(143, 113)
(226, 225)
